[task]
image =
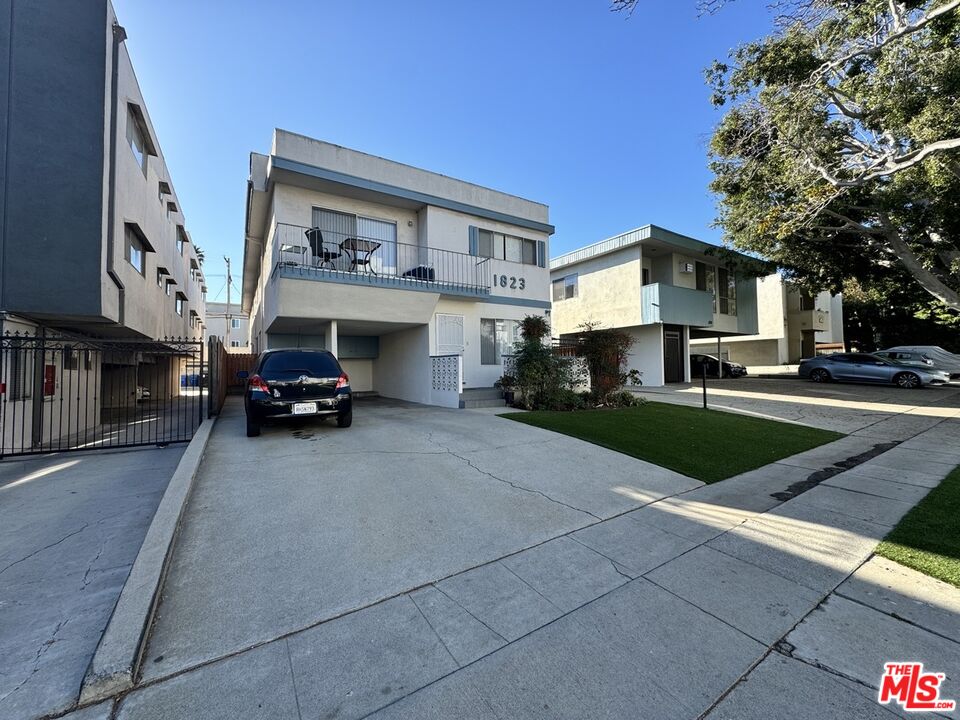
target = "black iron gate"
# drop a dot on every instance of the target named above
(61, 393)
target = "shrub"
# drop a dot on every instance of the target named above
(624, 398)
(542, 380)
(534, 327)
(605, 352)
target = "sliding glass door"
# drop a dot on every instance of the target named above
(384, 258)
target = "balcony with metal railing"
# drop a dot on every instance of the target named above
(336, 256)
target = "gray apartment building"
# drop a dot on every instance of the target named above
(93, 241)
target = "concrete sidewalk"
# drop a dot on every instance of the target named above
(70, 527)
(719, 601)
(882, 411)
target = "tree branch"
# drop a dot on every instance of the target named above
(899, 32)
(927, 279)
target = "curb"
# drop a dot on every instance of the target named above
(117, 659)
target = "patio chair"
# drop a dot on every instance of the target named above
(322, 257)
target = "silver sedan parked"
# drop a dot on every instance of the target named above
(868, 368)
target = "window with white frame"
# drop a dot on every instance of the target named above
(180, 303)
(501, 246)
(235, 323)
(497, 338)
(565, 287)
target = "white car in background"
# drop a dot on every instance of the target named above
(906, 358)
(929, 355)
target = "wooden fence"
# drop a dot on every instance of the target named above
(224, 367)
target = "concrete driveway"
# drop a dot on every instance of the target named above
(444, 564)
(70, 527)
(881, 411)
(309, 521)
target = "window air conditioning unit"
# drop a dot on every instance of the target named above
(686, 267)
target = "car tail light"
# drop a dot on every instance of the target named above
(258, 383)
(342, 381)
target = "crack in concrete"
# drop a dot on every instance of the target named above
(41, 651)
(613, 562)
(86, 574)
(46, 547)
(512, 484)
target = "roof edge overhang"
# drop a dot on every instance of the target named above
(639, 235)
(404, 194)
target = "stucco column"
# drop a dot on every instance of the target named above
(332, 338)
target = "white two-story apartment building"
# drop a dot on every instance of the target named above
(663, 288)
(415, 280)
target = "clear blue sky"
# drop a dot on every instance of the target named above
(604, 118)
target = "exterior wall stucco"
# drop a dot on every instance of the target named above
(362, 165)
(608, 292)
(403, 369)
(51, 184)
(360, 373)
(148, 309)
(475, 374)
(646, 355)
(53, 254)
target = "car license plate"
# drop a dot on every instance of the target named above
(304, 408)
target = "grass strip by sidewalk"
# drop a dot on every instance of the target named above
(927, 539)
(708, 445)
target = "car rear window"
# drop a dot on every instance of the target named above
(314, 364)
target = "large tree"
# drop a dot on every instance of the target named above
(838, 154)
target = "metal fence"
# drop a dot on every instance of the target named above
(60, 393)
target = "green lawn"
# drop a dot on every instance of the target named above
(928, 537)
(708, 445)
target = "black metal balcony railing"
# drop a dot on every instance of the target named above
(335, 254)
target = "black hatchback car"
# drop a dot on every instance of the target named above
(296, 383)
(730, 369)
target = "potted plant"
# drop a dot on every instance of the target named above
(508, 384)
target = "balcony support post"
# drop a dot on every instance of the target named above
(332, 338)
